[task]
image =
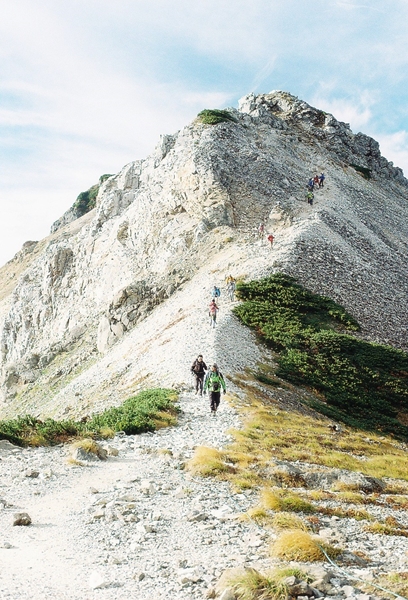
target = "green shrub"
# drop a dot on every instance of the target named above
(214, 116)
(146, 411)
(363, 384)
(86, 201)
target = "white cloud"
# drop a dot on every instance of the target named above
(357, 112)
(395, 148)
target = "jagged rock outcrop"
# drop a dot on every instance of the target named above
(188, 212)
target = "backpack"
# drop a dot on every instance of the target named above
(217, 292)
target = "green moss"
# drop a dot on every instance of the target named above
(363, 384)
(215, 116)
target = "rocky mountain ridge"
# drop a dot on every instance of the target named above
(85, 316)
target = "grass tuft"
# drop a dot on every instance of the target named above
(208, 461)
(277, 500)
(287, 520)
(251, 585)
(300, 545)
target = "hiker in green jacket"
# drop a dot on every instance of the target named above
(214, 382)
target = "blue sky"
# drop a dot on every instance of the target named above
(87, 86)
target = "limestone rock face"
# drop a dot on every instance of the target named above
(187, 214)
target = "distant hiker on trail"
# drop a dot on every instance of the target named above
(310, 198)
(261, 230)
(216, 292)
(316, 181)
(213, 313)
(231, 285)
(198, 369)
(321, 180)
(214, 381)
(310, 185)
(270, 239)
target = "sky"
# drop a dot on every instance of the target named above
(87, 86)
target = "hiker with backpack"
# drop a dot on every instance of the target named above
(310, 185)
(216, 292)
(198, 369)
(270, 239)
(213, 312)
(261, 230)
(321, 180)
(310, 198)
(214, 382)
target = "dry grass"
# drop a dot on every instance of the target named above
(395, 582)
(269, 431)
(257, 514)
(286, 520)
(251, 585)
(390, 527)
(279, 500)
(398, 501)
(88, 445)
(300, 545)
(207, 462)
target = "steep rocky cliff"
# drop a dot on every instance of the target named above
(85, 314)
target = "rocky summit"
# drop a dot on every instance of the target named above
(108, 301)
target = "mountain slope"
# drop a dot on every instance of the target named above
(107, 299)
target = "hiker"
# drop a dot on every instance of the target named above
(310, 185)
(270, 239)
(216, 292)
(231, 286)
(310, 198)
(321, 180)
(316, 181)
(214, 381)
(213, 312)
(261, 230)
(198, 369)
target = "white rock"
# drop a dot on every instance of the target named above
(97, 581)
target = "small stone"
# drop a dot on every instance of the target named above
(112, 451)
(227, 594)
(348, 590)
(97, 581)
(93, 490)
(6, 545)
(196, 516)
(147, 487)
(210, 593)
(32, 474)
(180, 493)
(139, 576)
(21, 519)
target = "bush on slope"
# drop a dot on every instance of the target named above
(364, 384)
(147, 411)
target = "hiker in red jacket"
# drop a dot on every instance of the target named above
(270, 239)
(213, 313)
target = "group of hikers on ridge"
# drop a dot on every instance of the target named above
(212, 381)
(216, 293)
(315, 182)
